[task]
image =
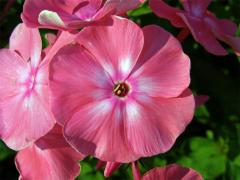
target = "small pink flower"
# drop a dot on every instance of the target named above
(49, 158)
(72, 14)
(172, 172)
(204, 26)
(25, 113)
(123, 94)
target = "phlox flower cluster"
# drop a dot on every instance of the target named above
(103, 87)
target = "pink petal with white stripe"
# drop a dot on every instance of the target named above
(50, 156)
(98, 129)
(118, 60)
(71, 65)
(27, 42)
(161, 56)
(24, 108)
(153, 124)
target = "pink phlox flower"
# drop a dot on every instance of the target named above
(127, 91)
(49, 158)
(169, 172)
(72, 14)
(205, 27)
(172, 172)
(25, 111)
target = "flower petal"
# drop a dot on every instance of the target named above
(13, 69)
(24, 120)
(60, 9)
(202, 33)
(224, 25)
(163, 10)
(225, 31)
(123, 131)
(232, 41)
(196, 8)
(62, 40)
(110, 168)
(27, 42)
(75, 68)
(50, 18)
(24, 117)
(124, 44)
(136, 171)
(117, 7)
(100, 164)
(87, 9)
(153, 124)
(51, 38)
(172, 172)
(55, 161)
(163, 70)
(98, 129)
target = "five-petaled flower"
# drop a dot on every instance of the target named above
(25, 111)
(204, 26)
(126, 94)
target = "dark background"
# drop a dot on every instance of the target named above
(211, 143)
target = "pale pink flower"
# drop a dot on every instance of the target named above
(25, 113)
(49, 158)
(122, 94)
(72, 14)
(171, 172)
(204, 25)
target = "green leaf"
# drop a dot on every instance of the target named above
(202, 114)
(234, 169)
(206, 156)
(144, 9)
(88, 172)
(5, 152)
(237, 161)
